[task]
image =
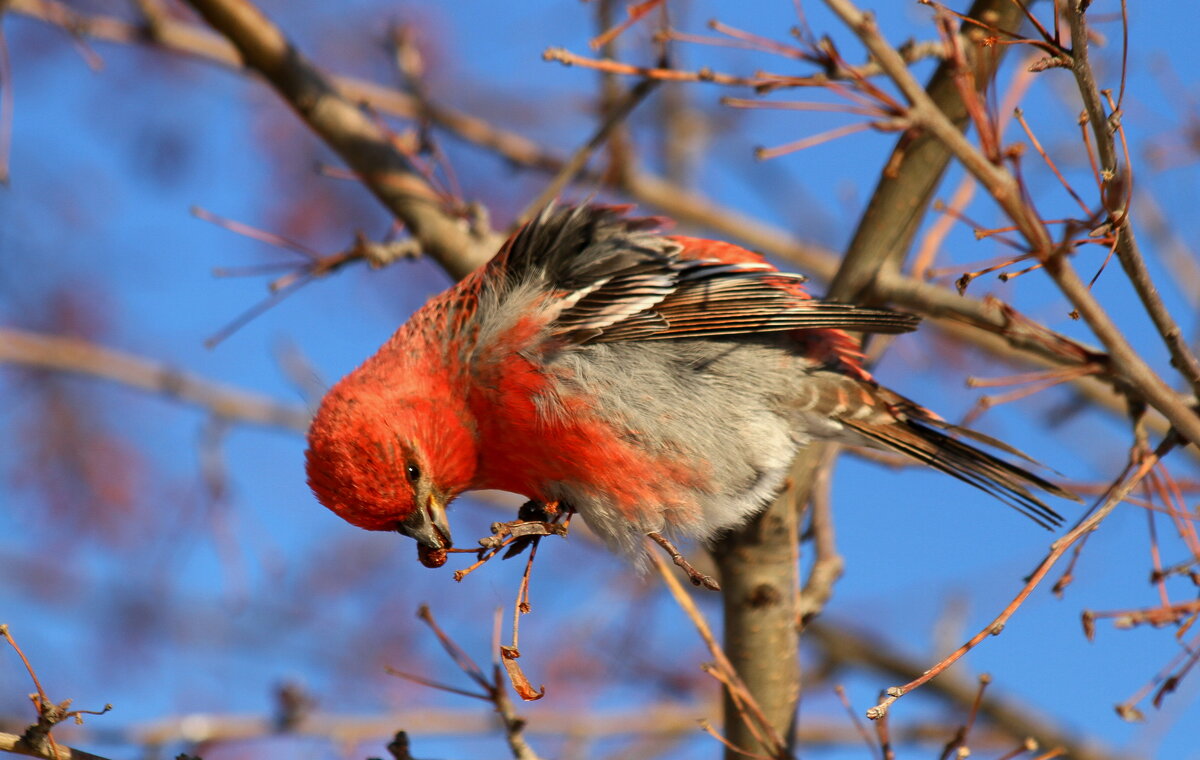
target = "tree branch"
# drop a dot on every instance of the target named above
(883, 237)
(13, 743)
(354, 136)
(844, 646)
(658, 720)
(71, 355)
(1003, 187)
(759, 566)
(1116, 194)
(679, 203)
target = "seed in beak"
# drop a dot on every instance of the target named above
(431, 557)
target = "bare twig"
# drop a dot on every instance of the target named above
(832, 69)
(1115, 192)
(612, 120)
(855, 720)
(1120, 488)
(845, 647)
(902, 196)
(695, 576)
(958, 743)
(568, 58)
(37, 740)
(759, 727)
(492, 686)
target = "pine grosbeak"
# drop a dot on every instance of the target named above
(650, 383)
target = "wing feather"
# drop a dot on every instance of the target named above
(612, 278)
(707, 298)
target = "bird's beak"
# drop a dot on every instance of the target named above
(428, 526)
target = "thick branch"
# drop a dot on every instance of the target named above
(359, 140)
(13, 744)
(902, 197)
(763, 557)
(883, 237)
(760, 585)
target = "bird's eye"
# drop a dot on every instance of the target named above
(413, 472)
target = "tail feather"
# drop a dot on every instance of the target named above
(1003, 480)
(956, 430)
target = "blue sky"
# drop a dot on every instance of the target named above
(187, 605)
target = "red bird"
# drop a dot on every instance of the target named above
(654, 384)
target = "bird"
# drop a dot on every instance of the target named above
(656, 385)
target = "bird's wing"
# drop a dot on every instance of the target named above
(613, 279)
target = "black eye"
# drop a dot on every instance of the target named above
(413, 472)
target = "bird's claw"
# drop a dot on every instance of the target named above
(502, 531)
(533, 522)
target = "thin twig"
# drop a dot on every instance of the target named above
(568, 58)
(1004, 188)
(1119, 489)
(1118, 185)
(612, 119)
(776, 747)
(854, 720)
(38, 741)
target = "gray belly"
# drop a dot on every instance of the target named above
(728, 407)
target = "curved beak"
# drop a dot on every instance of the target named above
(428, 525)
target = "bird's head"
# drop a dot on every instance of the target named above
(370, 461)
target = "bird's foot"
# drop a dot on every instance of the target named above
(534, 520)
(518, 535)
(695, 576)
(522, 530)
